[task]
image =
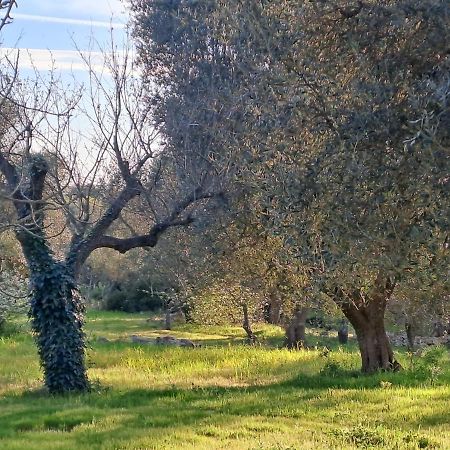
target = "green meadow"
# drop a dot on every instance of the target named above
(223, 394)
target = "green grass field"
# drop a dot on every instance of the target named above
(223, 395)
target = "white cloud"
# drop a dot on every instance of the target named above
(59, 60)
(92, 23)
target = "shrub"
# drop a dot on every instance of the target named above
(13, 296)
(429, 364)
(132, 297)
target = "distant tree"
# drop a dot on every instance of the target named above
(202, 102)
(13, 280)
(407, 308)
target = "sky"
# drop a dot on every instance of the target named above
(52, 30)
(49, 34)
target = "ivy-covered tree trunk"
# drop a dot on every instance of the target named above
(296, 330)
(367, 318)
(57, 316)
(56, 310)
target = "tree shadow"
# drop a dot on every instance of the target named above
(163, 411)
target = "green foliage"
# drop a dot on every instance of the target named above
(132, 297)
(13, 297)
(222, 302)
(57, 316)
(330, 115)
(13, 282)
(333, 369)
(57, 319)
(429, 364)
(363, 437)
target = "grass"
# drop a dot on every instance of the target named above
(223, 395)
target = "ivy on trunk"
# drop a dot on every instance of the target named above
(57, 318)
(56, 309)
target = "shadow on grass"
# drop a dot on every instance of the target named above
(121, 416)
(124, 415)
(346, 380)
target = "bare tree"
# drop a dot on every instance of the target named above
(51, 170)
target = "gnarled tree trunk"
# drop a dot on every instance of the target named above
(343, 332)
(56, 309)
(167, 319)
(410, 335)
(366, 314)
(296, 328)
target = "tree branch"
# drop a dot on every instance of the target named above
(82, 248)
(7, 17)
(147, 240)
(9, 172)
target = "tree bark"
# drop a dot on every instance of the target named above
(409, 328)
(343, 332)
(167, 319)
(247, 326)
(366, 314)
(296, 330)
(438, 328)
(272, 310)
(56, 309)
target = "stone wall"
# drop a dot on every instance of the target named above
(400, 340)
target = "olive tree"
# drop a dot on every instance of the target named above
(340, 112)
(13, 281)
(351, 117)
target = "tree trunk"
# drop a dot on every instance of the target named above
(409, 328)
(367, 318)
(438, 328)
(272, 310)
(57, 317)
(343, 332)
(295, 330)
(167, 319)
(247, 326)
(56, 310)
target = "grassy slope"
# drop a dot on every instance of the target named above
(224, 395)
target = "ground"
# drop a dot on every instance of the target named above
(222, 395)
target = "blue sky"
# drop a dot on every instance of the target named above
(59, 26)
(48, 33)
